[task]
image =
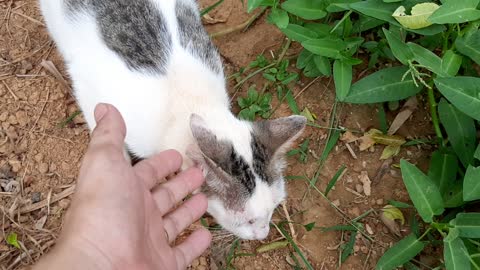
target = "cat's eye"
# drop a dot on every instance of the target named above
(251, 221)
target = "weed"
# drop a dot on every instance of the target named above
(254, 104)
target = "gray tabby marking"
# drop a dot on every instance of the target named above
(135, 30)
(194, 38)
(261, 160)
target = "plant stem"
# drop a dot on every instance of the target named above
(424, 234)
(284, 51)
(433, 111)
(244, 25)
(253, 74)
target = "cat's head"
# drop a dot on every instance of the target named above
(245, 174)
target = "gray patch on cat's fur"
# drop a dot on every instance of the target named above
(135, 30)
(261, 160)
(193, 36)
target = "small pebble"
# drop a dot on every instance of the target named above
(364, 249)
(336, 202)
(195, 263)
(12, 120)
(64, 203)
(22, 118)
(380, 202)
(356, 248)
(369, 229)
(355, 211)
(3, 116)
(16, 165)
(43, 168)
(203, 261)
(36, 197)
(38, 157)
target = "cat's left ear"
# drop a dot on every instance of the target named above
(278, 134)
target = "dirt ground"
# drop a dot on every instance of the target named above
(40, 157)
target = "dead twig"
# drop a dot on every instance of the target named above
(10, 90)
(244, 25)
(54, 198)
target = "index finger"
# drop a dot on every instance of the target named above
(157, 167)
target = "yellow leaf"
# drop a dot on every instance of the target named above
(393, 213)
(419, 15)
(390, 151)
(310, 116)
(392, 140)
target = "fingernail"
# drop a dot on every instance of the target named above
(100, 111)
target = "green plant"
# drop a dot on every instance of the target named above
(434, 52)
(254, 104)
(301, 151)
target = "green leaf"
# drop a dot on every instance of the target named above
(210, 8)
(477, 152)
(309, 226)
(443, 170)
(303, 58)
(299, 33)
(381, 86)
(399, 204)
(468, 224)
(334, 180)
(402, 252)
(471, 184)
(470, 46)
(453, 196)
(463, 92)
(342, 75)
(365, 23)
(455, 253)
(427, 58)
(451, 63)
(279, 17)
(347, 249)
(327, 47)
(311, 70)
(460, 130)
(12, 240)
(456, 12)
(322, 30)
(399, 49)
(376, 9)
(323, 65)
(332, 141)
(291, 102)
(423, 192)
(253, 4)
(305, 9)
(339, 228)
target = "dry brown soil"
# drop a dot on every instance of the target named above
(39, 159)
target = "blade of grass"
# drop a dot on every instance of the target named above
(382, 118)
(294, 245)
(210, 8)
(334, 179)
(69, 119)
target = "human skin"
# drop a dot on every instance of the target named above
(121, 215)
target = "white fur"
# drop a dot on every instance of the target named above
(157, 108)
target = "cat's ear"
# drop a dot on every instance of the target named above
(218, 151)
(278, 134)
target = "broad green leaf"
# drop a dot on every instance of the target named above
(453, 196)
(340, 5)
(365, 23)
(455, 253)
(456, 12)
(468, 224)
(303, 58)
(305, 9)
(423, 192)
(463, 92)
(427, 58)
(311, 70)
(477, 152)
(418, 17)
(323, 65)
(399, 49)
(342, 75)
(298, 33)
(381, 86)
(443, 170)
(327, 47)
(253, 4)
(279, 17)
(12, 240)
(376, 9)
(470, 46)
(451, 63)
(471, 184)
(460, 130)
(402, 252)
(322, 30)
(291, 102)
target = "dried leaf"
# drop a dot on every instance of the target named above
(348, 137)
(367, 184)
(407, 110)
(310, 116)
(393, 213)
(392, 140)
(390, 151)
(272, 246)
(366, 141)
(41, 222)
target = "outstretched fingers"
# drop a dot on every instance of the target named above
(155, 169)
(167, 195)
(192, 247)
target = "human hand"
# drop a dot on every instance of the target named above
(119, 217)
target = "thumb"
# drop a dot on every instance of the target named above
(110, 128)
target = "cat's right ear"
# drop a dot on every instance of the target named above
(219, 151)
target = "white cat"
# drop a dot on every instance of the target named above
(154, 61)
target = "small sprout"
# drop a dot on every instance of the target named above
(12, 239)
